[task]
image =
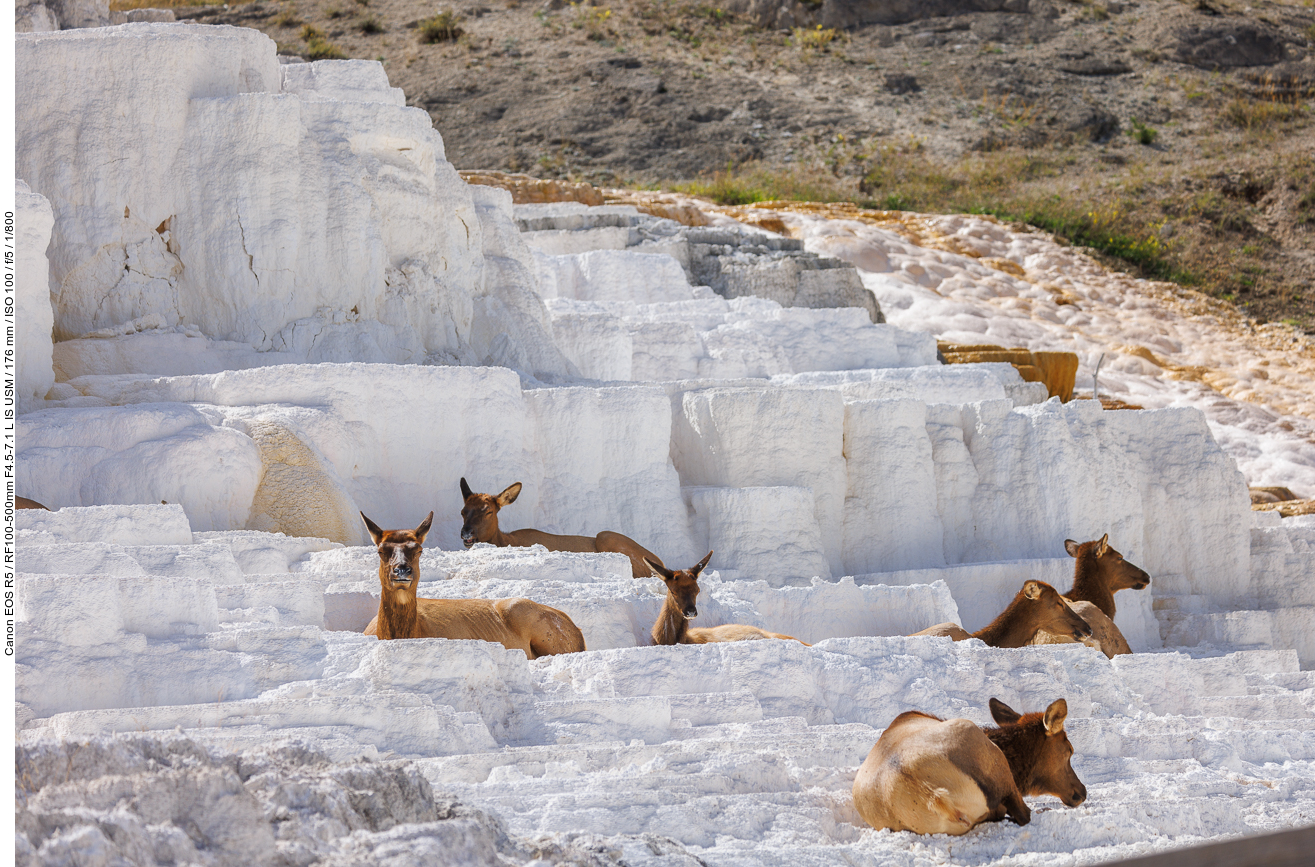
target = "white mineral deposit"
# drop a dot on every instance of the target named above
(278, 306)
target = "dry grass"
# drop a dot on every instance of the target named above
(443, 27)
(318, 47)
(1257, 115)
(1152, 225)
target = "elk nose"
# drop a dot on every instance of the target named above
(691, 612)
(402, 571)
(1079, 795)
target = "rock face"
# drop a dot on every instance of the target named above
(732, 261)
(735, 264)
(1225, 45)
(268, 207)
(34, 18)
(33, 311)
(81, 13)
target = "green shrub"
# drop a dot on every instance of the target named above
(1141, 133)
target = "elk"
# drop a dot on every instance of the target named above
(934, 776)
(672, 626)
(517, 624)
(25, 503)
(1099, 572)
(1036, 607)
(479, 516)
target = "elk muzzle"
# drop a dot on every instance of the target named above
(1076, 796)
(691, 611)
(401, 573)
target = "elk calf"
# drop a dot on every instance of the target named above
(1036, 607)
(934, 776)
(672, 626)
(479, 517)
(1099, 572)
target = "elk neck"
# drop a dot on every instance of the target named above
(1011, 628)
(1021, 744)
(398, 611)
(671, 626)
(1089, 584)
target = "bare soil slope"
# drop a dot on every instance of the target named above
(1178, 137)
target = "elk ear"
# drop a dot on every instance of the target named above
(1103, 546)
(659, 570)
(375, 533)
(1055, 716)
(507, 497)
(466, 492)
(1069, 545)
(424, 528)
(1032, 589)
(1002, 713)
(701, 565)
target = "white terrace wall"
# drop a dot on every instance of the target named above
(191, 187)
(894, 485)
(32, 302)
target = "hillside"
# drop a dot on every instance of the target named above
(1176, 137)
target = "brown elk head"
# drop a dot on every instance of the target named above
(479, 514)
(1042, 608)
(1114, 572)
(399, 554)
(682, 585)
(1038, 751)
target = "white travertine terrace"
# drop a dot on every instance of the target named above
(283, 307)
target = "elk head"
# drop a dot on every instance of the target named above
(1051, 613)
(399, 553)
(1039, 751)
(1116, 572)
(479, 514)
(682, 585)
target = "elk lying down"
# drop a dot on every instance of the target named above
(517, 624)
(479, 517)
(1037, 606)
(1098, 573)
(672, 626)
(934, 776)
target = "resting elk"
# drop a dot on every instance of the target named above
(479, 518)
(934, 776)
(517, 624)
(1098, 573)
(1036, 607)
(672, 626)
